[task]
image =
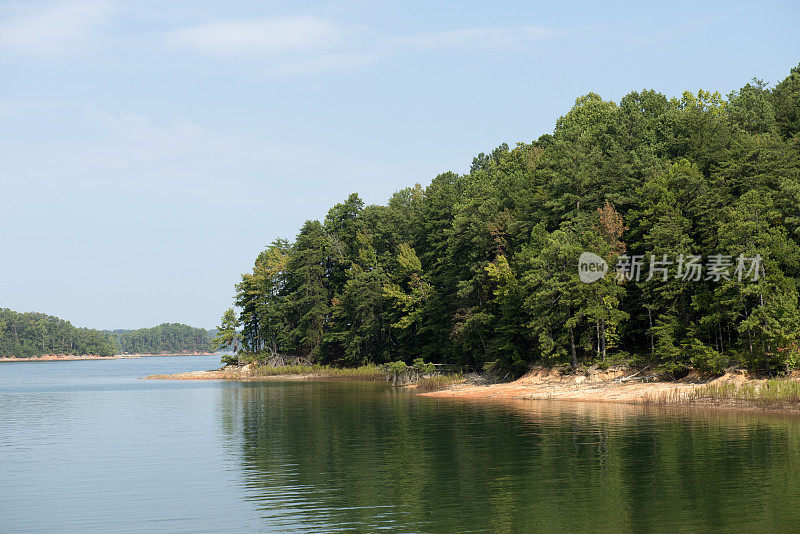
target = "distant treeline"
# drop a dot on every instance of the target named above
(163, 339)
(481, 269)
(26, 335)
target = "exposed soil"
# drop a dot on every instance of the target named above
(594, 385)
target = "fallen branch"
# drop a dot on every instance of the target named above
(626, 378)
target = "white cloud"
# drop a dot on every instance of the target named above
(488, 36)
(302, 45)
(257, 37)
(55, 29)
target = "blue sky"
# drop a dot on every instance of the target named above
(149, 149)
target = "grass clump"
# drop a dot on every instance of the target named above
(369, 372)
(437, 382)
(271, 370)
(425, 375)
(773, 392)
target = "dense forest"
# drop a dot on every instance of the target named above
(24, 335)
(167, 338)
(481, 269)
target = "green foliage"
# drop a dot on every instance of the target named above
(229, 359)
(480, 269)
(308, 293)
(261, 297)
(227, 337)
(396, 369)
(704, 358)
(423, 368)
(786, 103)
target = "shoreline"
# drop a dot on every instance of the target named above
(550, 384)
(544, 384)
(73, 357)
(63, 358)
(247, 373)
(611, 387)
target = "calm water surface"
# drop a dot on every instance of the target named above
(87, 447)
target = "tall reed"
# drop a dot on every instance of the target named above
(368, 372)
(774, 392)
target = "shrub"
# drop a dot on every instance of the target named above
(229, 359)
(704, 358)
(396, 369)
(437, 382)
(424, 368)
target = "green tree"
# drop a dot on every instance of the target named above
(309, 297)
(227, 337)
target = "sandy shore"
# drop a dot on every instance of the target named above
(613, 386)
(598, 386)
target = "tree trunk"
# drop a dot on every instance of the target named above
(572, 341)
(598, 339)
(572, 349)
(603, 337)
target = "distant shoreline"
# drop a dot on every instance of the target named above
(72, 357)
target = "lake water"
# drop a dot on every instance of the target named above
(87, 447)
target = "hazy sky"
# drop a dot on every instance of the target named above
(150, 149)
